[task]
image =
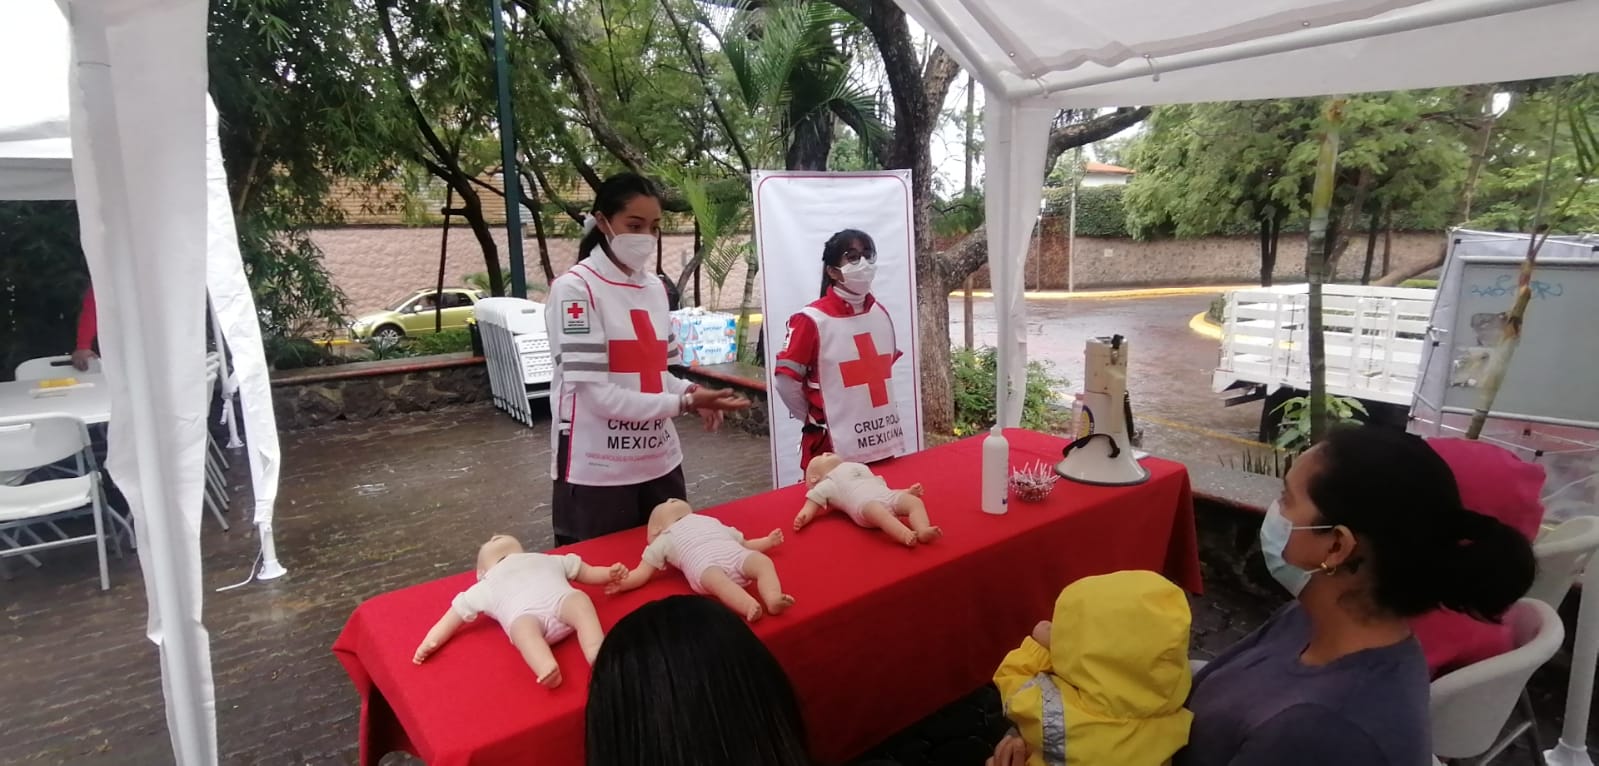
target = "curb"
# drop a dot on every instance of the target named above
(1146, 292)
(1202, 326)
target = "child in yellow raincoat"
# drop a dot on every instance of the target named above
(1105, 682)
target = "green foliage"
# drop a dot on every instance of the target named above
(1293, 434)
(1101, 212)
(1507, 195)
(786, 65)
(975, 379)
(447, 342)
(960, 215)
(1217, 313)
(42, 280)
(294, 295)
(284, 353)
(1274, 463)
(293, 117)
(1208, 169)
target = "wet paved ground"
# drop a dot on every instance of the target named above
(370, 507)
(1169, 367)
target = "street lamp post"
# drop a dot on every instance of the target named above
(508, 171)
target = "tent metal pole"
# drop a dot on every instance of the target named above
(1310, 38)
(1572, 749)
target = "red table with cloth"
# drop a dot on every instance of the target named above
(881, 636)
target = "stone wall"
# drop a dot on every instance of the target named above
(379, 265)
(318, 396)
(1105, 263)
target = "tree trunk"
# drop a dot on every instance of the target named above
(1387, 242)
(1394, 278)
(1316, 260)
(933, 289)
(1344, 224)
(1371, 247)
(811, 143)
(1271, 256)
(472, 211)
(1268, 259)
(754, 266)
(538, 234)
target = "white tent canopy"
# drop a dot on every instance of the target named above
(1034, 56)
(140, 154)
(139, 160)
(36, 164)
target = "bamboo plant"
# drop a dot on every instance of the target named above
(1316, 259)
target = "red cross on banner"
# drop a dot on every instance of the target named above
(871, 370)
(645, 356)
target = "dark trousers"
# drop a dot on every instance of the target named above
(583, 512)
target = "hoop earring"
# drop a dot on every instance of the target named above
(1327, 570)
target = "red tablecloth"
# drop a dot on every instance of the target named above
(881, 636)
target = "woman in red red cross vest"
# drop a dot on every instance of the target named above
(616, 453)
(836, 368)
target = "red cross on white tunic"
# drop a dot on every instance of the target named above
(575, 310)
(645, 356)
(871, 370)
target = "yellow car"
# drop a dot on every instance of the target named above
(415, 315)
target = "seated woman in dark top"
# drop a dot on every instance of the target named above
(1370, 532)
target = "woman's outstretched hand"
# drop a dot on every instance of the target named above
(724, 400)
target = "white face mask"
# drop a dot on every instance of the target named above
(633, 250)
(857, 277)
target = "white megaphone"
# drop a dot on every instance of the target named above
(1104, 456)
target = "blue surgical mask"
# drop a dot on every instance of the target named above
(1274, 534)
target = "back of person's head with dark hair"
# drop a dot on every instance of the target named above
(835, 247)
(613, 194)
(1425, 550)
(684, 682)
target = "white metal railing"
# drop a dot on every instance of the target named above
(1374, 339)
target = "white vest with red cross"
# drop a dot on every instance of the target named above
(606, 452)
(855, 367)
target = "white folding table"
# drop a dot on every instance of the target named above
(89, 400)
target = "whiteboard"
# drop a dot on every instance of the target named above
(1554, 375)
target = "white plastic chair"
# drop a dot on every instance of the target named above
(1471, 706)
(31, 442)
(46, 367)
(1563, 553)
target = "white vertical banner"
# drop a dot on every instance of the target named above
(795, 214)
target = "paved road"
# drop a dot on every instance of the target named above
(1169, 367)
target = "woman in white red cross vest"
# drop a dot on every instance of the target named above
(615, 452)
(835, 372)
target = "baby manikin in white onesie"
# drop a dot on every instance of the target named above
(532, 584)
(867, 499)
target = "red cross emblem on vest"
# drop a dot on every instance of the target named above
(871, 370)
(575, 310)
(645, 356)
